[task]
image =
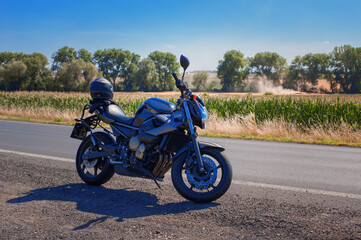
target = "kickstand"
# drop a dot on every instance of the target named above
(157, 184)
(150, 175)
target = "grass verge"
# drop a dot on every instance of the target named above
(216, 133)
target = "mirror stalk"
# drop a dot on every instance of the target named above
(184, 62)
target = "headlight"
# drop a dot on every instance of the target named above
(199, 113)
(204, 117)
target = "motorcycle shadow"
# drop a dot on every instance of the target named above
(111, 203)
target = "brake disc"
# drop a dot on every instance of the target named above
(207, 179)
(89, 164)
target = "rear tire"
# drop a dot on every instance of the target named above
(97, 171)
(207, 187)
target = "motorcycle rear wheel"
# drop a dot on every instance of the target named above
(207, 187)
(97, 171)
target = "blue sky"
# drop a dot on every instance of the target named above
(201, 30)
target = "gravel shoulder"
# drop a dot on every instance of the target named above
(44, 199)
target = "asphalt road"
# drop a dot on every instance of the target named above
(325, 170)
(280, 191)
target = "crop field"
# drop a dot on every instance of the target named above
(305, 118)
(304, 112)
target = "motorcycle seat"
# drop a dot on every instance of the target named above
(117, 114)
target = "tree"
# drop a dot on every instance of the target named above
(76, 75)
(63, 55)
(90, 72)
(347, 68)
(308, 69)
(12, 75)
(85, 55)
(146, 76)
(37, 74)
(291, 79)
(129, 67)
(270, 64)
(165, 64)
(116, 63)
(6, 57)
(315, 65)
(329, 72)
(297, 72)
(232, 71)
(200, 81)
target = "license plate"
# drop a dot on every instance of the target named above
(79, 131)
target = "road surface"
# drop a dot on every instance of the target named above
(318, 167)
(279, 190)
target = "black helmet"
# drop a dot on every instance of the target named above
(101, 89)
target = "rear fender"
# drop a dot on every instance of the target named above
(98, 137)
(103, 136)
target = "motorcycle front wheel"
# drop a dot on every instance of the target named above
(205, 187)
(96, 171)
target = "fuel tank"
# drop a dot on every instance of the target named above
(150, 107)
(141, 115)
(157, 105)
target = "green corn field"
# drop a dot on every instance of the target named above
(301, 111)
(305, 111)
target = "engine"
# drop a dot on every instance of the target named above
(142, 147)
(143, 141)
(136, 146)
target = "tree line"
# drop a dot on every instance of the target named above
(73, 70)
(341, 68)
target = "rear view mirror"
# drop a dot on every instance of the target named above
(184, 62)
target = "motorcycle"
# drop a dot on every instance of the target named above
(161, 136)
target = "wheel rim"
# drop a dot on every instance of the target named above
(94, 167)
(206, 182)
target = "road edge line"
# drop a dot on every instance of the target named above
(297, 189)
(37, 155)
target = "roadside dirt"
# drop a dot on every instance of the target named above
(43, 199)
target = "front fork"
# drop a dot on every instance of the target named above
(196, 149)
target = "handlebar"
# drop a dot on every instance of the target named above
(180, 84)
(175, 77)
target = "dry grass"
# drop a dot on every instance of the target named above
(39, 114)
(280, 130)
(232, 127)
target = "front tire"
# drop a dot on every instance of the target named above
(97, 171)
(207, 187)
